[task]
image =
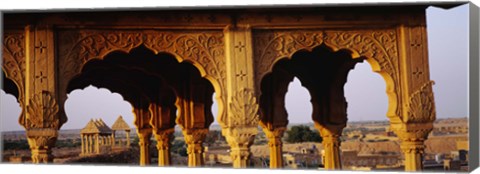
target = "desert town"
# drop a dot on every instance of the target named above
(365, 146)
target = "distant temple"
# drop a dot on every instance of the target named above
(94, 135)
(121, 125)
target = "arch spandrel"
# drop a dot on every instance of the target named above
(14, 64)
(204, 49)
(378, 47)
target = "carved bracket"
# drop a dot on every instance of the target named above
(243, 109)
(14, 64)
(42, 111)
(163, 138)
(420, 107)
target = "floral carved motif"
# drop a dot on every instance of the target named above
(205, 48)
(421, 106)
(379, 45)
(14, 63)
(14, 56)
(272, 45)
(42, 109)
(244, 108)
(202, 48)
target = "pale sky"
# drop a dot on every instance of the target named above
(365, 90)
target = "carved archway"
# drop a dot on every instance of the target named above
(378, 47)
(204, 50)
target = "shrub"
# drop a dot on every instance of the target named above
(298, 134)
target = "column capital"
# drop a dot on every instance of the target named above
(416, 147)
(144, 135)
(276, 132)
(240, 139)
(194, 139)
(163, 138)
(275, 136)
(275, 145)
(41, 142)
(330, 130)
(412, 131)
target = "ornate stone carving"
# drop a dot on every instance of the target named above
(240, 139)
(14, 64)
(272, 45)
(204, 49)
(194, 139)
(41, 141)
(414, 132)
(416, 147)
(14, 56)
(275, 136)
(142, 118)
(163, 138)
(379, 45)
(42, 109)
(421, 106)
(244, 108)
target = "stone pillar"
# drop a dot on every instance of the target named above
(412, 138)
(90, 144)
(82, 138)
(194, 139)
(163, 138)
(128, 138)
(86, 143)
(97, 144)
(331, 145)
(413, 151)
(275, 145)
(240, 139)
(42, 114)
(112, 139)
(415, 113)
(41, 142)
(144, 143)
(240, 124)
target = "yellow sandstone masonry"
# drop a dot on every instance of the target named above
(246, 57)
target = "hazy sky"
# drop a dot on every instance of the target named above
(448, 55)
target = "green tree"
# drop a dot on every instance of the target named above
(301, 133)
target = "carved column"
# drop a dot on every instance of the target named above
(144, 143)
(162, 110)
(112, 139)
(144, 130)
(241, 124)
(97, 144)
(42, 119)
(417, 112)
(331, 145)
(274, 116)
(275, 145)
(194, 139)
(413, 151)
(89, 144)
(128, 138)
(412, 138)
(164, 138)
(82, 138)
(41, 142)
